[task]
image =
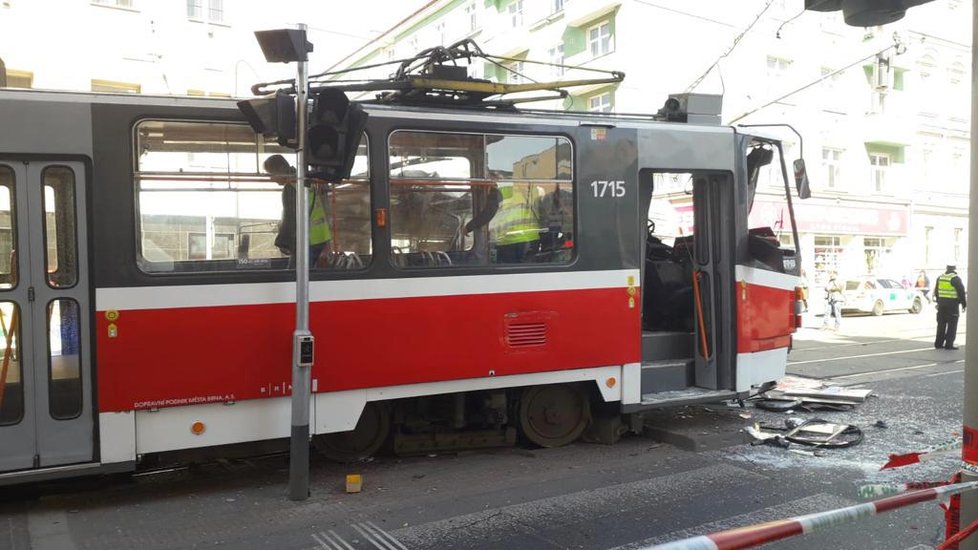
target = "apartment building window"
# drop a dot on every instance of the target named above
(114, 3)
(927, 162)
(601, 103)
(197, 92)
(957, 90)
(959, 169)
(832, 165)
(19, 79)
(558, 5)
(957, 244)
(777, 67)
(599, 39)
(556, 55)
(115, 87)
(514, 72)
(440, 32)
(216, 11)
(928, 236)
(777, 72)
(828, 251)
(879, 167)
(472, 15)
(214, 14)
(515, 10)
(875, 249)
(833, 98)
(829, 83)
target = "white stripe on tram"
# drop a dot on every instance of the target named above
(763, 277)
(178, 296)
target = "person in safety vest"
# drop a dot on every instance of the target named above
(517, 224)
(320, 234)
(949, 292)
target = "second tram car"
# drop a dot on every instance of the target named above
(486, 273)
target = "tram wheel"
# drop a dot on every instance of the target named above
(554, 415)
(363, 441)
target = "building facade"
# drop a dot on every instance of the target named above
(883, 112)
(190, 47)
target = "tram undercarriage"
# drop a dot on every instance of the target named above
(546, 416)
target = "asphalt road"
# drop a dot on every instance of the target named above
(589, 496)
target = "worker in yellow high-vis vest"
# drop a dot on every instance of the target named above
(949, 292)
(516, 224)
(320, 233)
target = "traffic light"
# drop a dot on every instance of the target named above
(335, 127)
(272, 116)
(866, 13)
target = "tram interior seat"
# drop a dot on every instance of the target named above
(667, 293)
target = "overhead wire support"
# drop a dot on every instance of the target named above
(735, 43)
(897, 45)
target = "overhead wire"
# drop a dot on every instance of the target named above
(814, 82)
(736, 41)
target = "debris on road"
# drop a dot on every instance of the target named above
(831, 394)
(811, 433)
(788, 405)
(354, 483)
(794, 392)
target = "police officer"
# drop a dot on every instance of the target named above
(949, 293)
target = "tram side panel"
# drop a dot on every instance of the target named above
(178, 341)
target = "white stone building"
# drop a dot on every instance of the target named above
(886, 141)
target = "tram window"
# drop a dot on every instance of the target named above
(59, 226)
(8, 230)
(11, 374)
(64, 359)
(206, 204)
(480, 199)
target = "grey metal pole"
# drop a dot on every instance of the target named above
(302, 337)
(969, 500)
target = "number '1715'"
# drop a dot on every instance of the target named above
(611, 189)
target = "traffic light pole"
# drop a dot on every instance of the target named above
(302, 344)
(969, 451)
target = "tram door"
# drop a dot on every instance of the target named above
(46, 410)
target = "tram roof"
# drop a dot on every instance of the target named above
(507, 116)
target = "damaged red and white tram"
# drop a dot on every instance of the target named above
(146, 311)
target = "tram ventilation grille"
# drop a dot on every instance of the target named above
(521, 335)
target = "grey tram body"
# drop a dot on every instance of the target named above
(94, 133)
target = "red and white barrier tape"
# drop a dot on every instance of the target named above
(746, 537)
(937, 451)
(880, 490)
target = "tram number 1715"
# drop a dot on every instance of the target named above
(610, 189)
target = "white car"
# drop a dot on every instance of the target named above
(878, 295)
